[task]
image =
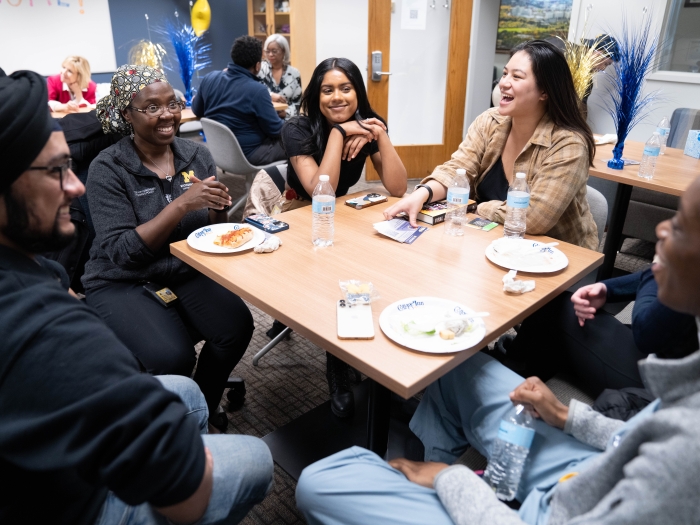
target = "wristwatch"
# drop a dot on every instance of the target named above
(430, 192)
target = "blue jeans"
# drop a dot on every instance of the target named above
(463, 408)
(243, 470)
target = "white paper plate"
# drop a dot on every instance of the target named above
(203, 238)
(425, 307)
(552, 260)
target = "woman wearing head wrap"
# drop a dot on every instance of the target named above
(72, 88)
(145, 192)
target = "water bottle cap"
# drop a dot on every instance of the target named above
(461, 171)
(656, 133)
(520, 175)
(323, 178)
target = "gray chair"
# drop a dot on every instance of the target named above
(229, 156)
(599, 209)
(682, 121)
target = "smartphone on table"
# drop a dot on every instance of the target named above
(354, 320)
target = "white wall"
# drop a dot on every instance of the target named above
(482, 58)
(341, 31)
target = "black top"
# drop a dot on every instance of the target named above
(494, 185)
(77, 417)
(295, 132)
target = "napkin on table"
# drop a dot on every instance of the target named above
(513, 285)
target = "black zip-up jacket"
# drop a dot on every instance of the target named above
(122, 194)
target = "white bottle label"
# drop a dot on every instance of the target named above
(319, 206)
(652, 151)
(515, 434)
(518, 199)
(458, 195)
(663, 131)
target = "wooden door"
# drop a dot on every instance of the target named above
(420, 160)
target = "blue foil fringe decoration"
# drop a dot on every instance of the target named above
(191, 51)
(627, 105)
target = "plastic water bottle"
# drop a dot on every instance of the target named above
(664, 128)
(651, 152)
(323, 207)
(457, 200)
(509, 453)
(516, 208)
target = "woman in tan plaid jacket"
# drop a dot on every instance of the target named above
(537, 129)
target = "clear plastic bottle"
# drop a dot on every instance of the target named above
(323, 208)
(664, 128)
(509, 453)
(651, 152)
(516, 208)
(457, 199)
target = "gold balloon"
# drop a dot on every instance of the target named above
(201, 17)
(146, 53)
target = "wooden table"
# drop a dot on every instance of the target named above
(298, 285)
(673, 174)
(188, 115)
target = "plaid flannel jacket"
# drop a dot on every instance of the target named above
(556, 163)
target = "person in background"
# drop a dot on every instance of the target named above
(282, 80)
(147, 191)
(236, 98)
(583, 468)
(87, 438)
(337, 132)
(72, 88)
(537, 129)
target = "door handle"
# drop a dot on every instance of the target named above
(377, 72)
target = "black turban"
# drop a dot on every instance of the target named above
(25, 123)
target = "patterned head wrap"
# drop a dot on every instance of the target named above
(126, 84)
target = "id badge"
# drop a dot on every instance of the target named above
(164, 295)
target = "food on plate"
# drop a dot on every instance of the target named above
(447, 334)
(459, 325)
(234, 238)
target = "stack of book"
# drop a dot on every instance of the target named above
(434, 213)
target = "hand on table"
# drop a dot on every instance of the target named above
(542, 402)
(276, 97)
(587, 300)
(419, 472)
(207, 193)
(72, 106)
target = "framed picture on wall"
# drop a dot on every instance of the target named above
(522, 20)
(691, 3)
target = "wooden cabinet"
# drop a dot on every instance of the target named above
(296, 20)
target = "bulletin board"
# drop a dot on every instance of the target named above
(40, 34)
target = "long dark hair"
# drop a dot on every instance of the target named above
(315, 145)
(553, 76)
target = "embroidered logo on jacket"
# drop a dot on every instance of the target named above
(144, 192)
(187, 176)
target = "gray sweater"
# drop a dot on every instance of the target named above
(123, 194)
(648, 473)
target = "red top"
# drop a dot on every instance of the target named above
(56, 91)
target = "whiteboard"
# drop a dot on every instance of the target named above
(40, 34)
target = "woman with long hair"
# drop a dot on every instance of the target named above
(72, 88)
(537, 129)
(336, 133)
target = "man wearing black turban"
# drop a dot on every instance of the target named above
(107, 441)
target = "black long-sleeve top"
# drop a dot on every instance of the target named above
(655, 327)
(77, 418)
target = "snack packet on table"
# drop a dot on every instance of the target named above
(358, 292)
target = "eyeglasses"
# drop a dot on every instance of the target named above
(156, 111)
(56, 170)
(273, 51)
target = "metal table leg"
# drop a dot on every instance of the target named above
(614, 234)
